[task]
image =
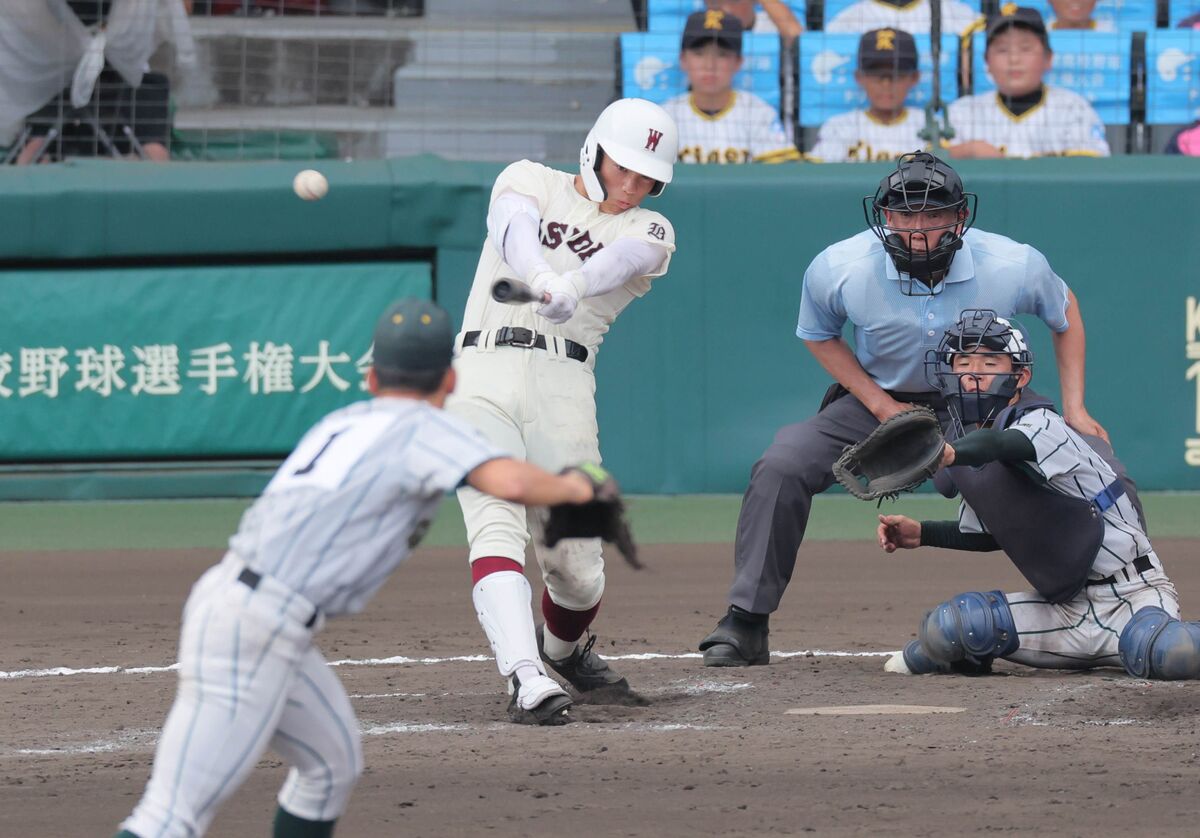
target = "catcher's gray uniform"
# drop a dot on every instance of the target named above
(1126, 574)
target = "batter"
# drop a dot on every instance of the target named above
(526, 376)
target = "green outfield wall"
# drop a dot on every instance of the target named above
(103, 259)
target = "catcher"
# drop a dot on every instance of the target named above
(1034, 488)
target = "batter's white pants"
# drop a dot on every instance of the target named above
(249, 677)
(539, 406)
(1083, 632)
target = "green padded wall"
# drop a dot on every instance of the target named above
(698, 375)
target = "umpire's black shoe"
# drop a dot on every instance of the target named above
(590, 676)
(550, 711)
(740, 639)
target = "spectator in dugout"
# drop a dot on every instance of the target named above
(716, 123)
(1023, 116)
(1077, 15)
(767, 17)
(114, 106)
(909, 15)
(886, 129)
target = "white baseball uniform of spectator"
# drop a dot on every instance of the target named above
(857, 137)
(526, 376)
(911, 17)
(1063, 124)
(747, 131)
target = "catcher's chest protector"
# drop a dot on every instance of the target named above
(1051, 538)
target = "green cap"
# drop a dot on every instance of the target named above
(415, 336)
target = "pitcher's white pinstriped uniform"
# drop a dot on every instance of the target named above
(1084, 631)
(342, 512)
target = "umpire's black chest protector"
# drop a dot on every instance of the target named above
(1050, 537)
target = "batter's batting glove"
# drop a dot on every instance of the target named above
(565, 290)
(602, 517)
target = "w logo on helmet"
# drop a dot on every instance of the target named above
(652, 139)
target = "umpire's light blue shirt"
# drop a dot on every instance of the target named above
(856, 280)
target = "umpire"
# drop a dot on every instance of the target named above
(901, 284)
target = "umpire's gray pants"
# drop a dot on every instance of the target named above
(797, 466)
(774, 516)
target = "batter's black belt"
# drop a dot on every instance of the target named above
(1141, 564)
(527, 339)
(251, 579)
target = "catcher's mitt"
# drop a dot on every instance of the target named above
(602, 517)
(898, 456)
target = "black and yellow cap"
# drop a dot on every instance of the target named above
(887, 52)
(1011, 15)
(713, 25)
(413, 336)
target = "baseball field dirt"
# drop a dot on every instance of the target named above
(715, 752)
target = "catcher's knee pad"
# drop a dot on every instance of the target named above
(974, 627)
(1156, 645)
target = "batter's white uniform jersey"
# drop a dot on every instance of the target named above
(1083, 632)
(866, 15)
(1064, 124)
(858, 137)
(539, 404)
(748, 130)
(343, 510)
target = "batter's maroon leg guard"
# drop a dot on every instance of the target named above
(563, 623)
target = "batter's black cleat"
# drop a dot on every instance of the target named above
(549, 703)
(589, 675)
(740, 639)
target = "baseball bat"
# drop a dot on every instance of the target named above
(512, 292)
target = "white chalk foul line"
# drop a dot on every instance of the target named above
(402, 660)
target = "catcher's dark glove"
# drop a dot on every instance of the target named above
(602, 517)
(898, 456)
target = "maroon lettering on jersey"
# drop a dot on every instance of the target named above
(583, 246)
(652, 140)
(553, 236)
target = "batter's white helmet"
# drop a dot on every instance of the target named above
(636, 134)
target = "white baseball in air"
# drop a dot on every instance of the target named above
(310, 185)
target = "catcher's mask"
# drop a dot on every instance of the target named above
(977, 332)
(921, 183)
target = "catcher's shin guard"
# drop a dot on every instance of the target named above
(1156, 645)
(913, 661)
(740, 639)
